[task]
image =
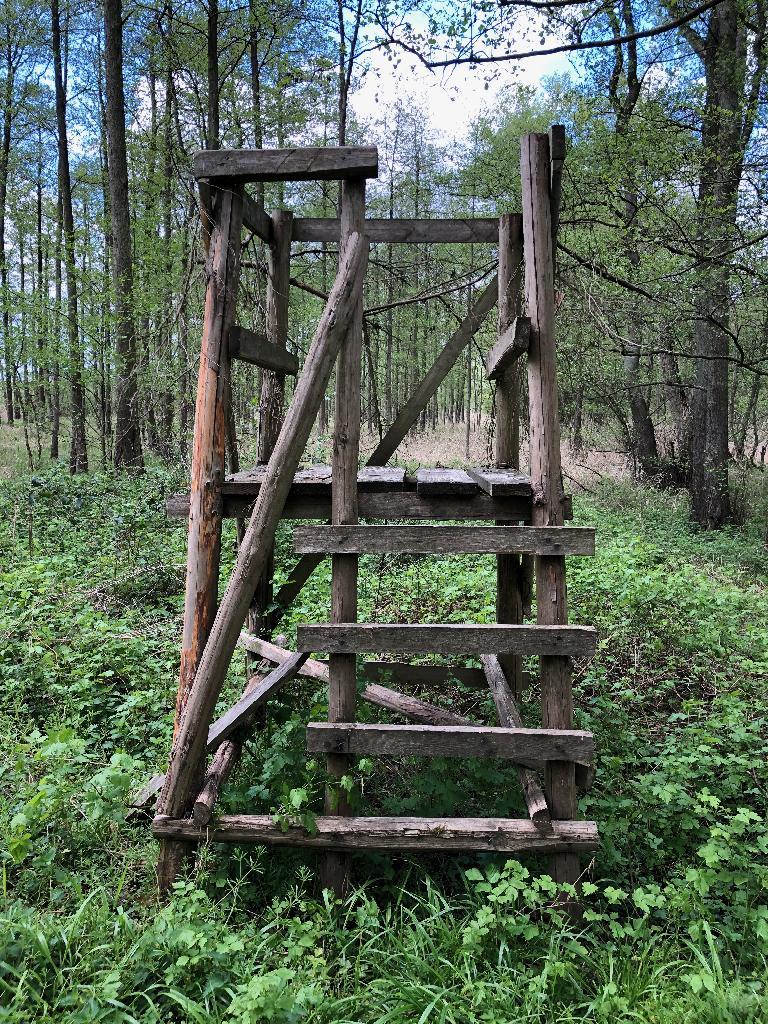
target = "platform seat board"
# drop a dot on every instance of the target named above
(437, 482)
(502, 835)
(523, 746)
(434, 638)
(501, 483)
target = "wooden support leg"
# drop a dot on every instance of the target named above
(546, 476)
(182, 779)
(509, 597)
(342, 688)
(272, 394)
(208, 453)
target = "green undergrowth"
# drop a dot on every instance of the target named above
(675, 925)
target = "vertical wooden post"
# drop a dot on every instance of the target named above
(551, 596)
(342, 688)
(509, 581)
(272, 393)
(208, 454)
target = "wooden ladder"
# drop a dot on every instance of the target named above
(558, 752)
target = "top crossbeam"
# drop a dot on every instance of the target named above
(327, 163)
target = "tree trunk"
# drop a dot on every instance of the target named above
(128, 452)
(78, 452)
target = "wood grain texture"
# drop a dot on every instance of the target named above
(502, 835)
(241, 712)
(546, 474)
(314, 163)
(523, 746)
(512, 343)
(501, 482)
(444, 540)
(256, 219)
(509, 717)
(341, 637)
(342, 668)
(405, 505)
(180, 789)
(434, 483)
(467, 230)
(254, 348)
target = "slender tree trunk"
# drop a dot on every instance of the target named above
(78, 453)
(128, 453)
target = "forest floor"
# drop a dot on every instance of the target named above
(675, 929)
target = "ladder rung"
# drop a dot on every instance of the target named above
(530, 747)
(353, 637)
(444, 540)
(507, 835)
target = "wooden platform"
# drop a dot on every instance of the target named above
(502, 835)
(384, 492)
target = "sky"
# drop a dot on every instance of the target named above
(454, 97)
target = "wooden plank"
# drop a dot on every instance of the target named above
(207, 473)
(256, 219)
(513, 573)
(405, 505)
(341, 637)
(342, 668)
(431, 483)
(224, 760)
(249, 702)
(501, 483)
(254, 348)
(557, 151)
(419, 230)
(279, 655)
(411, 707)
(500, 835)
(509, 716)
(444, 540)
(437, 373)
(523, 746)
(315, 163)
(316, 481)
(513, 342)
(180, 784)
(546, 472)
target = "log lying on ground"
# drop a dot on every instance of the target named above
(188, 750)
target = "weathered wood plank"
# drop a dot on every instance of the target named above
(432, 483)
(444, 540)
(279, 655)
(501, 483)
(240, 712)
(256, 219)
(254, 348)
(509, 717)
(411, 707)
(315, 163)
(546, 472)
(340, 637)
(501, 835)
(406, 505)
(316, 480)
(523, 746)
(207, 473)
(512, 343)
(180, 784)
(466, 229)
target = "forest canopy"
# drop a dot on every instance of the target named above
(662, 300)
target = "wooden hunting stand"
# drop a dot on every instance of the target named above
(527, 516)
